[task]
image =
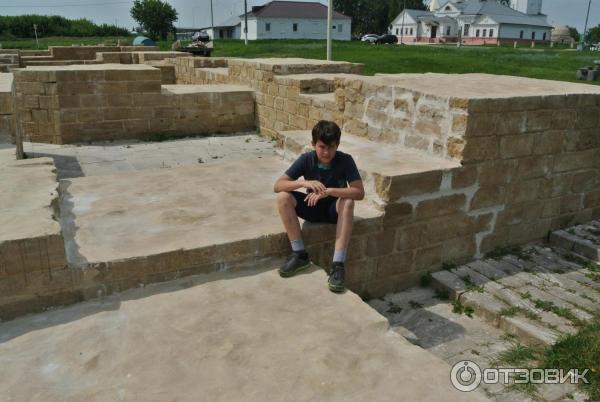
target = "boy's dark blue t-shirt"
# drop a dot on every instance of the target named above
(341, 171)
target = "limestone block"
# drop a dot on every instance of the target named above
(576, 160)
(538, 120)
(549, 142)
(464, 176)
(407, 185)
(441, 206)
(459, 249)
(514, 146)
(534, 166)
(497, 172)
(481, 148)
(394, 264)
(455, 147)
(428, 257)
(556, 185)
(76, 88)
(487, 197)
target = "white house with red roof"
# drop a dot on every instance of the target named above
(285, 20)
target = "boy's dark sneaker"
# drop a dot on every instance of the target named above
(336, 277)
(295, 263)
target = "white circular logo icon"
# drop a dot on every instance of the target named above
(465, 375)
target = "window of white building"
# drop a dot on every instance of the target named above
(477, 33)
(466, 30)
(268, 27)
(484, 33)
(295, 27)
(491, 33)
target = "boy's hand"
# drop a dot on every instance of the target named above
(315, 185)
(312, 198)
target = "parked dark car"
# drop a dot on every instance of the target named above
(387, 38)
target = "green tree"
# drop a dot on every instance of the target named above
(154, 16)
(593, 35)
(574, 33)
(374, 16)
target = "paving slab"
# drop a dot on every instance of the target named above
(254, 338)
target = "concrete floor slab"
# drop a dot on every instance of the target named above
(253, 338)
(152, 211)
(100, 158)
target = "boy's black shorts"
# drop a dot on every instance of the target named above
(324, 211)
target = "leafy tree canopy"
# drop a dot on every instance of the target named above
(154, 16)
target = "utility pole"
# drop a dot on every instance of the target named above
(329, 24)
(402, 26)
(212, 19)
(36, 36)
(246, 22)
(582, 38)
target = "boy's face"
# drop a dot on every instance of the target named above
(325, 153)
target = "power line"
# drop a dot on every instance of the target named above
(66, 5)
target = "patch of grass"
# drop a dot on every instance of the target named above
(394, 309)
(515, 310)
(579, 351)
(415, 304)
(470, 285)
(426, 279)
(559, 311)
(459, 308)
(518, 355)
(509, 311)
(593, 276)
(442, 294)
(594, 231)
(517, 251)
(448, 266)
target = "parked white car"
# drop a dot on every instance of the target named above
(371, 38)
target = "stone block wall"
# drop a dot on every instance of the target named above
(89, 103)
(89, 52)
(33, 267)
(377, 109)
(6, 114)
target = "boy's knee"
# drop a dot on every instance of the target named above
(346, 205)
(285, 198)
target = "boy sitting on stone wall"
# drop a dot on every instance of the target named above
(333, 183)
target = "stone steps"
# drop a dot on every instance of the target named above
(583, 240)
(377, 164)
(125, 231)
(529, 296)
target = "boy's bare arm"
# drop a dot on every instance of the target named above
(285, 183)
(356, 191)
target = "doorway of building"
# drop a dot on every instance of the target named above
(434, 32)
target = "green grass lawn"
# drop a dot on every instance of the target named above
(554, 64)
(544, 63)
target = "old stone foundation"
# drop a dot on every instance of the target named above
(454, 165)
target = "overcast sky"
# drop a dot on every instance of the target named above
(197, 12)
